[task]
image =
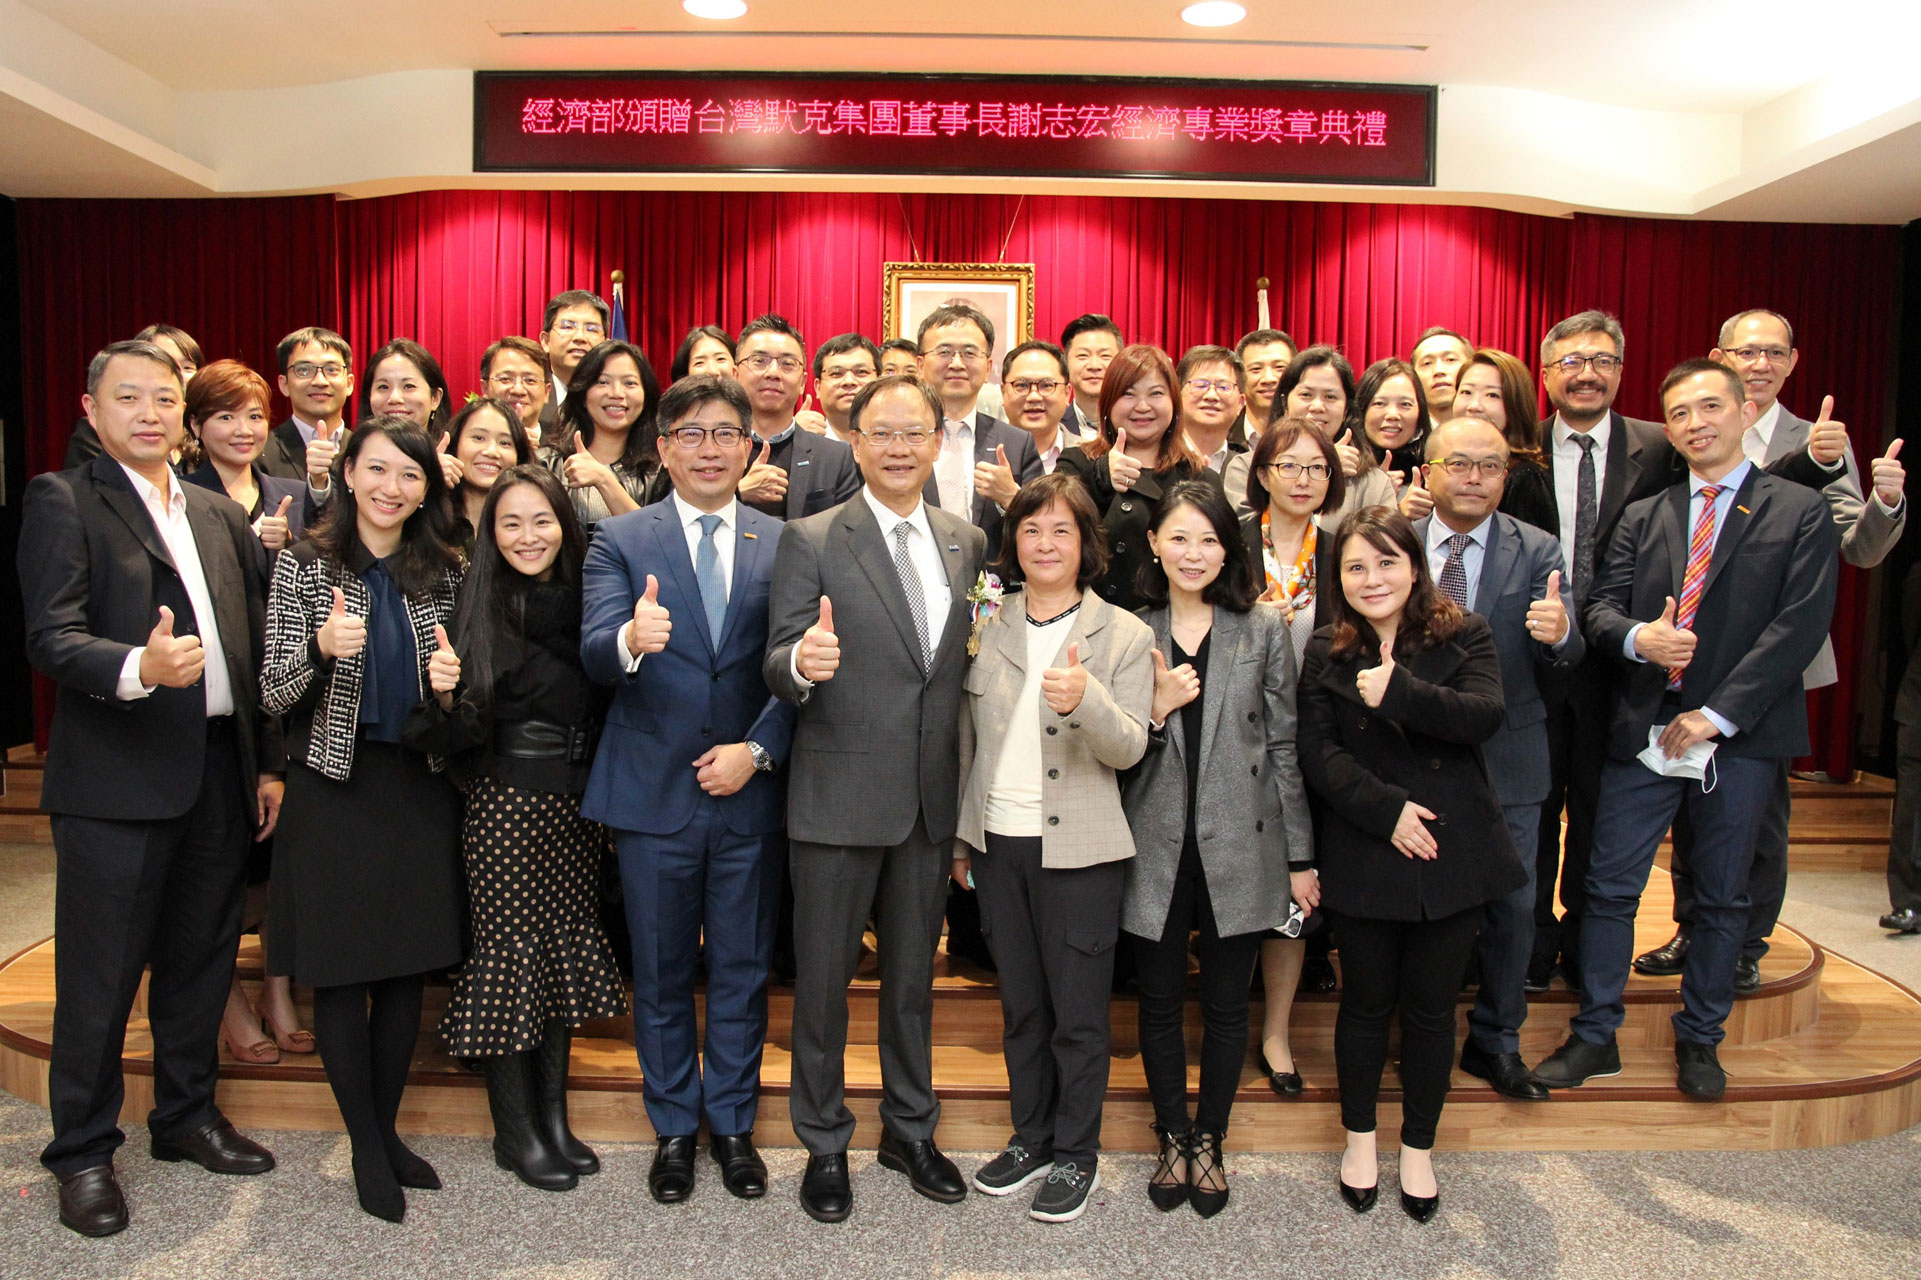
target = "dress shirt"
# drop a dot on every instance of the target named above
(308, 432)
(954, 469)
(779, 437)
(1471, 555)
(923, 552)
(169, 512)
(1051, 456)
(1723, 503)
(1217, 460)
(1567, 468)
(689, 516)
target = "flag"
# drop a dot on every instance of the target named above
(618, 326)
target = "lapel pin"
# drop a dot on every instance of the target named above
(750, 536)
(1743, 510)
(953, 546)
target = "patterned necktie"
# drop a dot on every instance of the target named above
(713, 587)
(910, 586)
(1700, 556)
(1587, 519)
(1454, 572)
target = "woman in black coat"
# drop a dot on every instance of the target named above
(1396, 697)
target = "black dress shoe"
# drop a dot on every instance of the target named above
(671, 1176)
(1699, 1075)
(1286, 1083)
(1747, 976)
(825, 1193)
(1360, 1199)
(91, 1203)
(932, 1173)
(1317, 974)
(1666, 960)
(1906, 920)
(742, 1171)
(1505, 1071)
(1540, 975)
(1576, 1062)
(1420, 1208)
(217, 1148)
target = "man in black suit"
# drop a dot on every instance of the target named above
(1714, 596)
(317, 377)
(574, 323)
(130, 579)
(794, 473)
(1091, 343)
(983, 460)
(1599, 462)
(1264, 355)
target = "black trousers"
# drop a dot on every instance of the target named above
(1227, 971)
(1767, 881)
(1052, 933)
(1577, 734)
(129, 895)
(1904, 842)
(1417, 967)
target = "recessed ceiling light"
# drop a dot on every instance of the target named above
(1208, 13)
(719, 10)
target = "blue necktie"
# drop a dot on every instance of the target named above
(713, 588)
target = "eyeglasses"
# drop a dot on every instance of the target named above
(306, 369)
(587, 327)
(1219, 386)
(1030, 386)
(694, 437)
(1488, 467)
(843, 373)
(1293, 470)
(510, 380)
(760, 362)
(1748, 355)
(913, 438)
(1603, 364)
(947, 355)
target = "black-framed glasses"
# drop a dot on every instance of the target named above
(332, 372)
(694, 437)
(1292, 470)
(1748, 355)
(1602, 364)
(760, 361)
(1028, 386)
(1488, 467)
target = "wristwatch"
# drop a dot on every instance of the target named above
(763, 763)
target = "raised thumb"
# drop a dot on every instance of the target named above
(280, 512)
(444, 438)
(652, 593)
(1160, 661)
(340, 604)
(1667, 613)
(164, 627)
(827, 615)
(766, 452)
(1827, 409)
(1074, 654)
(440, 637)
(1554, 584)
(1000, 455)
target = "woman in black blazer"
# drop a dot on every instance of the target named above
(1396, 697)
(1140, 453)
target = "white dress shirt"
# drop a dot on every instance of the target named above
(1472, 554)
(169, 513)
(954, 469)
(1567, 475)
(923, 553)
(689, 517)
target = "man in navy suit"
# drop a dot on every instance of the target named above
(793, 473)
(675, 618)
(1510, 574)
(1714, 597)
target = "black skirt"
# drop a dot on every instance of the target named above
(366, 877)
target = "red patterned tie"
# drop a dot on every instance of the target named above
(1700, 555)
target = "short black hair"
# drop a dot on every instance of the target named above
(1262, 337)
(179, 337)
(1033, 344)
(1035, 496)
(698, 390)
(684, 356)
(905, 345)
(841, 344)
(1092, 322)
(312, 335)
(956, 313)
(1233, 587)
(1699, 364)
(771, 322)
(574, 298)
(899, 381)
(1207, 353)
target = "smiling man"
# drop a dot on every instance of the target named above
(791, 473)
(1035, 390)
(574, 323)
(1211, 404)
(317, 377)
(1090, 342)
(1438, 358)
(983, 461)
(843, 365)
(514, 369)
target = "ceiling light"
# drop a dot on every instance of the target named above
(1208, 13)
(718, 10)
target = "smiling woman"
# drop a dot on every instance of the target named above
(488, 438)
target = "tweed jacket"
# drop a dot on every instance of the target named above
(1082, 751)
(1250, 818)
(296, 676)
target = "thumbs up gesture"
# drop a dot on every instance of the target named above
(1372, 681)
(320, 455)
(1064, 687)
(1660, 641)
(583, 470)
(1547, 619)
(1889, 477)
(995, 480)
(1349, 455)
(1122, 471)
(809, 417)
(272, 530)
(652, 626)
(171, 660)
(443, 668)
(1172, 689)
(343, 634)
(764, 482)
(450, 467)
(1416, 501)
(1827, 439)
(818, 654)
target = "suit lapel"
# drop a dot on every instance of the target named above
(1790, 436)
(673, 549)
(947, 542)
(801, 456)
(118, 493)
(1222, 655)
(220, 568)
(868, 545)
(749, 548)
(1749, 504)
(983, 510)
(1162, 622)
(1674, 526)
(1498, 560)
(1623, 454)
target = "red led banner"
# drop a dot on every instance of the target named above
(766, 122)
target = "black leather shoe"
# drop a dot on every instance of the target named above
(932, 1173)
(825, 1193)
(217, 1148)
(1576, 1062)
(742, 1171)
(1360, 1199)
(671, 1177)
(1505, 1071)
(1317, 974)
(1906, 920)
(1747, 976)
(1286, 1083)
(1540, 975)
(1666, 960)
(1700, 1075)
(91, 1203)
(1420, 1208)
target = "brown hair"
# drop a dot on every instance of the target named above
(513, 342)
(1428, 619)
(1129, 367)
(1035, 497)
(1277, 440)
(223, 386)
(1523, 430)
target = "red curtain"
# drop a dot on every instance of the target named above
(456, 269)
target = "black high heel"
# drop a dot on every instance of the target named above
(1419, 1208)
(1360, 1199)
(1286, 1083)
(1207, 1166)
(1175, 1145)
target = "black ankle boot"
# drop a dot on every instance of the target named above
(550, 1098)
(519, 1144)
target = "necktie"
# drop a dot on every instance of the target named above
(1454, 572)
(910, 586)
(1700, 556)
(1587, 519)
(713, 587)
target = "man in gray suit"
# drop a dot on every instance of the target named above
(1510, 574)
(1759, 346)
(868, 635)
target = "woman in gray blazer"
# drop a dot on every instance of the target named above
(1219, 819)
(1056, 704)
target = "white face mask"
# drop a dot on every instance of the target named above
(1696, 762)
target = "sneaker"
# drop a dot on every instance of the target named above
(1063, 1197)
(1012, 1169)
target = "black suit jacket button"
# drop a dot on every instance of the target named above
(1053, 773)
(1255, 770)
(706, 731)
(1054, 822)
(1434, 764)
(1252, 717)
(716, 677)
(1260, 826)
(1052, 730)
(1127, 506)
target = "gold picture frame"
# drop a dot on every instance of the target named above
(1004, 291)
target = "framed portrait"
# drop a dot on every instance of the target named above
(1003, 291)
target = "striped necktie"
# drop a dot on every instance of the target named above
(1700, 556)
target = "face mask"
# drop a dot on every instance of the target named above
(1696, 762)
